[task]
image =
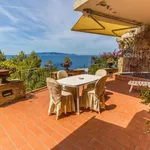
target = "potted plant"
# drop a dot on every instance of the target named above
(49, 64)
(5, 73)
(67, 63)
(110, 62)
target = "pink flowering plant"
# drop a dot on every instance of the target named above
(111, 57)
(103, 60)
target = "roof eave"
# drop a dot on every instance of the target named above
(79, 3)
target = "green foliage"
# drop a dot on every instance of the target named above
(110, 60)
(28, 70)
(67, 60)
(49, 64)
(33, 61)
(145, 95)
(102, 61)
(148, 124)
(93, 69)
(35, 78)
(22, 56)
(7, 64)
(97, 63)
(2, 56)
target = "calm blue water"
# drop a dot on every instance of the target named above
(78, 61)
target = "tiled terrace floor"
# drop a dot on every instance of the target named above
(25, 125)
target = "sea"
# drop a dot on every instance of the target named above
(78, 61)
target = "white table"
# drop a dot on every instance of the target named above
(76, 82)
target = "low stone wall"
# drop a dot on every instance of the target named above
(69, 72)
(12, 91)
(129, 78)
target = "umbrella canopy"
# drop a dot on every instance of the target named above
(102, 25)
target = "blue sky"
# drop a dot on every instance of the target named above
(45, 25)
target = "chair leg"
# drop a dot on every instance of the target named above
(99, 108)
(91, 100)
(73, 105)
(102, 100)
(65, 109)
(57, 112)
(49, 109)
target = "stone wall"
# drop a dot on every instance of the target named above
(123, 65)
(12, 91)
(129, 78)
(139, 61)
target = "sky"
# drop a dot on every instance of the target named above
(45, 26)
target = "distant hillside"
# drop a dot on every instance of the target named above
(53, 53)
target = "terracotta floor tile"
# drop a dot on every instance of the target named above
(47, 140)
(32, 139)
(25, 147)
(13, 133)
(6, 143)
(67, 146)
(37, 131)
(40, 147)
(84, 146)
(2, 132)
(23, 117)
(98, 145)
(57, 137)
(111, 143)
(58, 128)
(48, 130)
(25, 124)
(68, 127)
(38, 122)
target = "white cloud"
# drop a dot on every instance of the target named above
(6, 13)
(46, 26)
(7, 29)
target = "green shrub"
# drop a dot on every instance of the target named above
(93, 69)
(145, 95)
(28, 70)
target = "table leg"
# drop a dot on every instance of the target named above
(78, 101)
(83, 87)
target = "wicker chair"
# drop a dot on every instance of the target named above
(60, 101)
(62, 74)
(101, 73)
(94, 98)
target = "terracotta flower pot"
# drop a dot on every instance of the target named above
(5, 73)
(110, 65)
(66, 65)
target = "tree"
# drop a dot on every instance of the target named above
(33, 61)
(2, 56)
(22, 56)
